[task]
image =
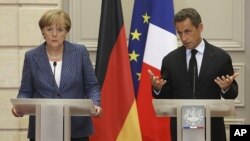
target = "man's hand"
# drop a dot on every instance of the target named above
(225, 82)
(156, 81)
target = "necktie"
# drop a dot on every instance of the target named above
(193, 71)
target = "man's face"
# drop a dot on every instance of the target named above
(189, 34)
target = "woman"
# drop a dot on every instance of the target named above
(59, 69)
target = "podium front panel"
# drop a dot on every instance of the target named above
(49, 119)
(213, 108)
(193, 123)
(217, 107)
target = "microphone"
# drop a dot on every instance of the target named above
(54, 64)
(194, 81)
(54, 81)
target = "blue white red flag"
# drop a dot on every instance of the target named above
(152, 36)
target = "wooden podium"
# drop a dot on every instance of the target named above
(53, 116)
(193, 115)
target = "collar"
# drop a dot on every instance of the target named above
(200, 48)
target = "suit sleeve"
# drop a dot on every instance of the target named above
(26, 87)
(232, 93)
(91, 85)
(166, 92)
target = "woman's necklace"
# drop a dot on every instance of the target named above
(54, 57)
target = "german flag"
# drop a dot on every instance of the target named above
(119, 120)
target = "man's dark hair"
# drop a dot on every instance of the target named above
(190, 13)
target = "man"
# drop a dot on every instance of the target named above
(213, 68)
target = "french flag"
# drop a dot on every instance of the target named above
(152, 36)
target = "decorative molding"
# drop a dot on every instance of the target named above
(229, 121)
(225, 30)
(91, 45)
(229, 45)
(35, 2)
(237, 40)
(231, 38)
(85, 26)
(240, 68)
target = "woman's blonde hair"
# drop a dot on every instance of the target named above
(55, 16)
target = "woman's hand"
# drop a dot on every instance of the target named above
(98, 111)
(15, 113)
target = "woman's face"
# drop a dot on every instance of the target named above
(54, 35)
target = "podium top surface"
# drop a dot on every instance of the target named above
(78, 107)
(217, 107)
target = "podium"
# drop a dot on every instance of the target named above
(53, 116)
(193, 115)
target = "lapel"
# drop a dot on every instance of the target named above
(206, 62)
(67, 64)
(182, 62)
(42, 62)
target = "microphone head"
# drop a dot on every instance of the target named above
(54, 64)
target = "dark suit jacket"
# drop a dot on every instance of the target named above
(216, 62)
(78, 81)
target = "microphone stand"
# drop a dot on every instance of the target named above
(194, 79)
(54, 80)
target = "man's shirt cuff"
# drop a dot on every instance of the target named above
(157, 92)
